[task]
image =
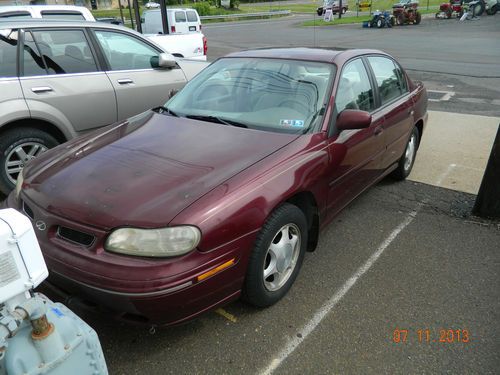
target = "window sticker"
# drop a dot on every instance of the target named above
(297, 123)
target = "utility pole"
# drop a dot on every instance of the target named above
(340, 9)
(164, 19)
(488, 199)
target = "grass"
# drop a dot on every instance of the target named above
(283, 5)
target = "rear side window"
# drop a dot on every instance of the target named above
(180, 17)
(65, 51)
(16, 15)
(33, 57)
(62, 15)
(387, 77)
(191, 16)
(8, 53)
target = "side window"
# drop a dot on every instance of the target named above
(8, 53)
(125, 52)
(191, 16)
(386, 75)
(402, 79)
(355, 90)
(33, 62)
(65, 51)
(180, 17)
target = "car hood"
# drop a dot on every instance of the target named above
(144, 171)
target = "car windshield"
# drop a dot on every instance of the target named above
(276, 95)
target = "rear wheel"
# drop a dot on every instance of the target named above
(380, 23)
(344, 10)
(477, 9)
(17, 147)
(493, 10)
(407, 160)
(276, 257)
(418, 18)
(400, 20)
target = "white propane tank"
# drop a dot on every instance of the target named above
(37, 336)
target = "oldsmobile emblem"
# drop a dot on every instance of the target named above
(40, 225)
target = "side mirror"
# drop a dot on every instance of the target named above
(353, 119)
(163, 61)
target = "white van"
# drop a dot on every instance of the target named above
(180, 21)
(54, 12)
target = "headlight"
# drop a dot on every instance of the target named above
(19, 184)
(162, 242)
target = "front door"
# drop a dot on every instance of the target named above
(355, 155)
(138, 86)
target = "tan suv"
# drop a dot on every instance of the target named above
(61, 79)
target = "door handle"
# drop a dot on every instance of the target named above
(125, 81)
(40, 89)
(378, 130)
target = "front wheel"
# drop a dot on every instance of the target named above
(380, 23)
(407, 160)
(277, 256)
(17, 147)
(344, 10)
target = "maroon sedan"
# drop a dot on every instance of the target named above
(220, 193)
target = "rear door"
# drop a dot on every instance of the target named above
(180, 22)
(137, 85)
(395, 103)
(193, 21)
(12, 103)
(355, 155)
(61, 80)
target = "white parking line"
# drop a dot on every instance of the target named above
(294, 342)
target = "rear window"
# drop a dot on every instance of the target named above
(180, 17)
(16, 15)
(62, 15)
(8, 52)
(191, 16)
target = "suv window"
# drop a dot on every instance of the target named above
(180, 17)
(191, 16)
(62, 15)
(355, 90)
(65, 51)
(124, 52)
(33, 62)
(388, 80)
(8, 54)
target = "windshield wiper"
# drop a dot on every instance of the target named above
(162, 109)
(217, 120)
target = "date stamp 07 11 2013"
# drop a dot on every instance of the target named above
(427, 336)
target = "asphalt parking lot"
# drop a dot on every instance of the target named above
(393, 274)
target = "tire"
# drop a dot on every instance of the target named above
(448, 14)
(418, 18)
(392, 21)
(437, 14)
(478, 9)
(405, 163)
(261, 290)
(319, 11)
(344, 10)
(19, 146)
(380, 23)
(493, 10)
(400, 20)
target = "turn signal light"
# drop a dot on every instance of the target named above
(215, 270)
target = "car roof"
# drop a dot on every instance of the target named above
(10, 8)
(307, 54)
(39, 23)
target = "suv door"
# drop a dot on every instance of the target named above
(62, 82)
(181, 25)
(396, 104)
(137, 85)
(12, 103)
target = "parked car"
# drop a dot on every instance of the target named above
(334, 5)
(219, 193)
(180, 21)
(191, 45)
(61, 79)
(151, 5)
(52, 12)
